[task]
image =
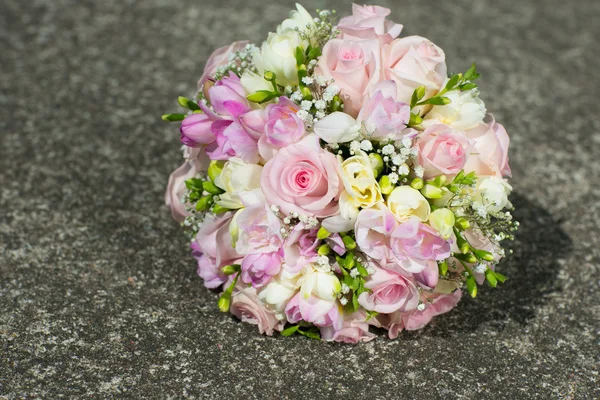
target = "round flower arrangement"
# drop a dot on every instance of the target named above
(338, 178)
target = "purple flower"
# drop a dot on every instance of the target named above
(196, 130)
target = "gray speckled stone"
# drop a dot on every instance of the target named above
(98, 294)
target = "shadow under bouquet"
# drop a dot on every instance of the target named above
(338, 178)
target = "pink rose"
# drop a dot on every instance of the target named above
(383, 117)
(419, 242)
(259, 230)
(413, 61)
(176, 185)
(214, 240)
(369, 22)
(196, 130)
(303, 178)
(429, 276)
(354, 66)
(207, 268)
(248, 308)
(443, 151)
(435, 304)
(258, 269)
(373, 229)
(283, 127)
(219, 58)
(355, 329)
(389, 292)
(314, 310)
(490, 153)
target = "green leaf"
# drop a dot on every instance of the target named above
(415, 120)
(314, 53)
(323, 233)
(351, 282)
(371, 314)
(491, 278)
(443, 268)
(467, 86)
(349, 261)
(472, 286)
(289, 331)
(311, 334)
(437, 101)
(471, 73)
(173, 117)
(299, 56)
(355, 301)
(459, 177)
(262, 96)
(211, 188)
(361, 270)
(453, 82)
(501, 278)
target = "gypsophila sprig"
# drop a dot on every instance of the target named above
(324, 193)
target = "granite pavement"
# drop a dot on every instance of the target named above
(98, 293)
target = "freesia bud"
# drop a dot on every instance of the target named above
(196, 130)
(214, 169)
(432, 192)
(462, 224)
(324, 250)
(323, 233)
(417, 183)
(385, 185)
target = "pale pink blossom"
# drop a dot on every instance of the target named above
(490, 152)
(314, 310)
(369, 22)
(176, 185)
(219, 58)
(413, 61)
(214, 240)
(419, 242)
(373, 230)
(258, 230)
(283, 127)
(354, 65)
(207, 268)
(383, 117)
(389, 292)
(248, 308)
(354, 329)
(443, 151)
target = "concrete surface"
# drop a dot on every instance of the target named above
(98, 293)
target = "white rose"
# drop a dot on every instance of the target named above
(299, 18)
(405, 202)
(359, 180)
(237, 178)
(466, 111)
(492, 193)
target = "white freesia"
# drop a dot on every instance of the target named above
(236, 178)
(252, 82)
(405, 202)
(466, 111)
(346, 219)
(359, 180)
(280, 289)
(299, 18)
(278, 55)
(337, 127)
(492, 193)
(324, 285)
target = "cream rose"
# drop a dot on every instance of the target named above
(405, 202)
(236, 178)
(466, 111)
(492, 193)
(359, 180)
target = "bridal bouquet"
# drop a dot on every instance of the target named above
(336, 177)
